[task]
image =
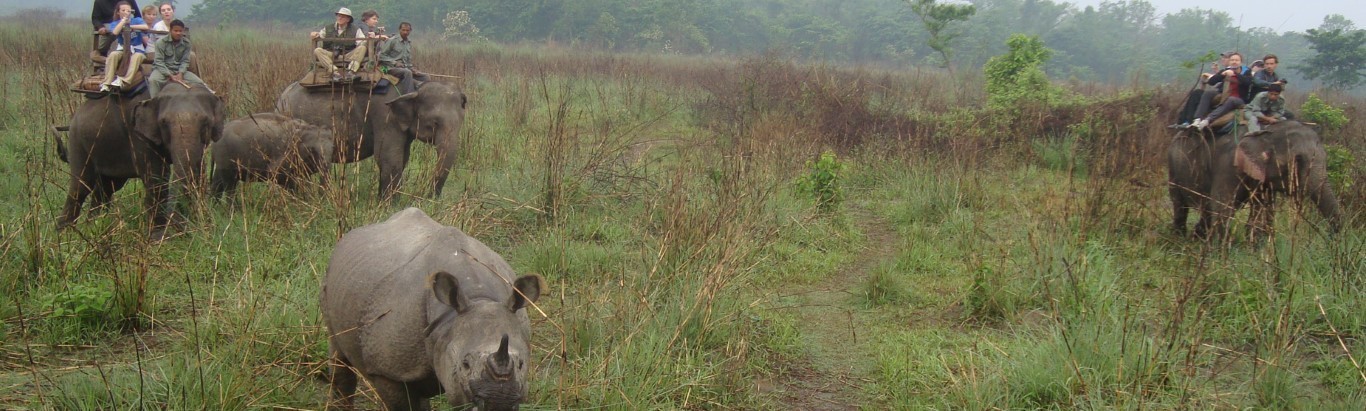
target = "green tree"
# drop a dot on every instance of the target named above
(938, 19)
(1340, 59)
(1018, 75)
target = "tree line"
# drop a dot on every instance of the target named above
(1119, 41)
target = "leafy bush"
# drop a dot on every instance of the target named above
(1018, 74)
(1317, 111)
(824, 182)
(1340, 165)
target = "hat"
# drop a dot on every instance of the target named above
(1258, 63)
(345, 12)
(1225, 54)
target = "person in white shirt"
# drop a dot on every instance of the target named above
(167, 12)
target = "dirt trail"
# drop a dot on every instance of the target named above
(836, 365)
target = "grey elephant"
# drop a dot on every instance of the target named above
(384, 125)
(419, 308)
(269, 147)
(1220, 177)
(1188, 180)
(115, 138)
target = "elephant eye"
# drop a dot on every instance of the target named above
(465, 364)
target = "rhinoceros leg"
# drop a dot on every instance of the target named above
(343, 383)
(397, 396)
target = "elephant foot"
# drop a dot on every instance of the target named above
(158, 235)
(64, 223)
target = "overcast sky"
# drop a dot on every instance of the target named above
(1278, 15)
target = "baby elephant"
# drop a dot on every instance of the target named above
(269, 146)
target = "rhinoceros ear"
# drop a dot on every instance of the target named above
(447, 290)
(527, 288)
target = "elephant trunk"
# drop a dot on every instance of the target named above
(187, 144)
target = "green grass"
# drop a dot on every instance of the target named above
(964, 269)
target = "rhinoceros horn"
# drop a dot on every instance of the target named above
(500, 363)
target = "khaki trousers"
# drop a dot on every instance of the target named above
(111, 65)
(355, 57)
(158, 80)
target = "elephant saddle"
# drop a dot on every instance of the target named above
(90, 85)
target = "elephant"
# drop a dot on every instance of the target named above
(384, 125)
(419, 308)
(1220, 177)
(1188, 161)
(269, 147)
(115, 138)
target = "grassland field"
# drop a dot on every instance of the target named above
(972, 259)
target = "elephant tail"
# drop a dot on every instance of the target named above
(56, 135)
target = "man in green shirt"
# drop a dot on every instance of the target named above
(396, 59)
(1267, 108)
(172, 61)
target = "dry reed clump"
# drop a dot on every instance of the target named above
(825, 106)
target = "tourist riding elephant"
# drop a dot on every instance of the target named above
(384, 125)
(1285, 158)
(115, 138)
(269, 147)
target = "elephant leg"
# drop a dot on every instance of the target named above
(1260, 224)
(223, 181)
(393, 158)
(82, 183)
(1180, 209)
(343, 384)
(158, 200)
(287, 181)
(104, 190)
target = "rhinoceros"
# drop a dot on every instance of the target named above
(418, 308)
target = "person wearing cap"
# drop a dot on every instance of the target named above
(1234, 80)
(1267, 108)
(172, 61)
(352, 52)
(1198, 100)
(396, 59)
(1229, 61)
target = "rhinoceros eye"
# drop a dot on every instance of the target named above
(465, 363)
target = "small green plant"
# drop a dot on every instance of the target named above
(988, 299)
(1318, 111)
(823, 182)
(1341, 162)
(87, 304)
(884, 286)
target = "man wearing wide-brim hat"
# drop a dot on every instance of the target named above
(349, 51)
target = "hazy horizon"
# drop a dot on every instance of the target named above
(1276, 15)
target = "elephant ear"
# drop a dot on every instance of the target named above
(145, 123)
(220, 116)
(403, 111)
(1253, 165)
